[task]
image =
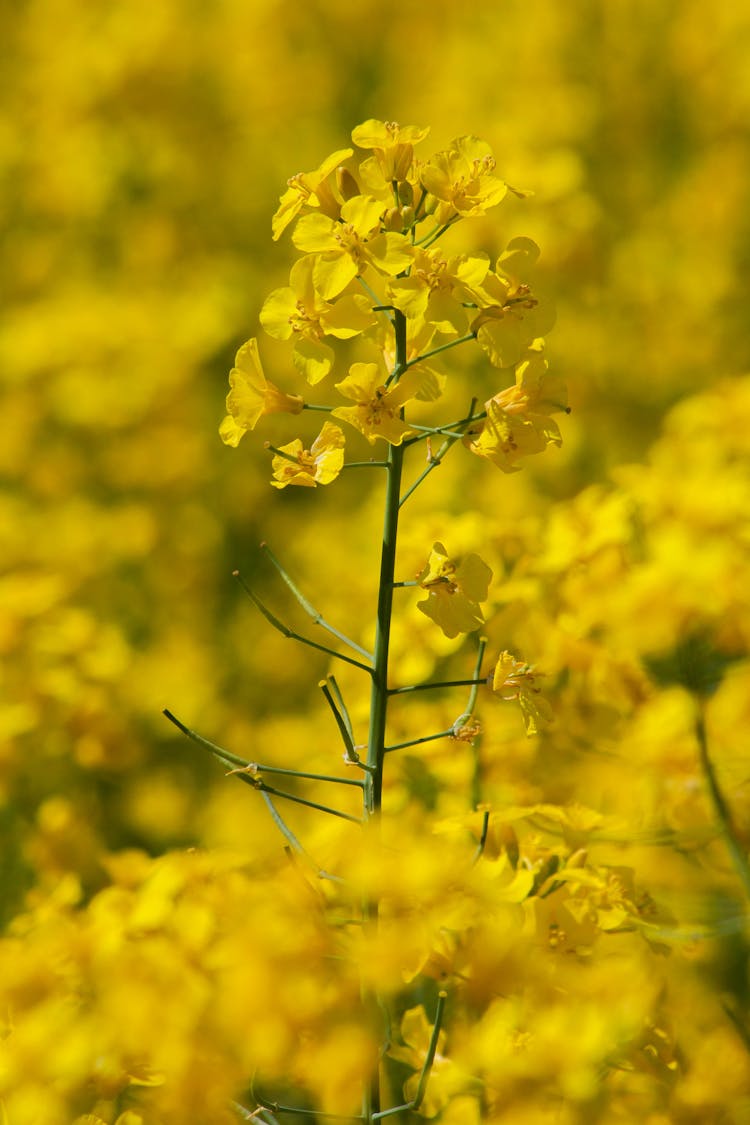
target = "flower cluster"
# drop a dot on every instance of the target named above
(368, 227)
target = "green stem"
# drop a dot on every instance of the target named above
(721, 808)
(443, 348)
(379, 692)
(373, 788)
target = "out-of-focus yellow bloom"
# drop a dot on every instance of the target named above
(345, 249)
(446, 1078)
(512, 679)
(378, 409)
(298, 309)
(309, 189)
(252, 396)
(320, 464)
(455, 589)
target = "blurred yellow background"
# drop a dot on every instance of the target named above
(143, 148)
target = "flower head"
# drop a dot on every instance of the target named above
(392, 145)
(345, 249)
(518, 421)
(320, 464)
(309, 190)
(455, 589)
(510, 316)
(463, 179)
(377, 412)
(251, 396)
(299, 310)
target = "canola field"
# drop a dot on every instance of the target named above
(509, 289)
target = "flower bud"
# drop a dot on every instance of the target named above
(346, 183)
(408, 215)
(393, 220)
(405, 193)
(430, 204)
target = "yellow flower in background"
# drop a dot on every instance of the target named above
(320, 464)
(345, 249)
(378, 409)
(252, 396)
(309, 189)
(512, 679)
(455, 589)
(446, 1079)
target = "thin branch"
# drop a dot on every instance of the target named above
(330, 778)
(218, 751)
(443, 348)
(292, 634)
(259, 784)
(254, 767)
(365, 465)
(419, 741)
(719, 802)
(464, 717)
(424, 1075)
(294, 843)
(309, 609)
(441, 230)
(431, 686)
(482, 838)
(436, 458)
(344, 729)
(336, 690)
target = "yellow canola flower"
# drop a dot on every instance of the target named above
(309, 189)
(392, 145)
(299, 310)
(377, 412)
(320, 464)
(345, 249)
(455, 589)
(463, 179)
(512, 679)
(436, 287)
(518, 423)
(252, 396)
(510, 316)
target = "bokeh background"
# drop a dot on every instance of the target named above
(143, 148)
